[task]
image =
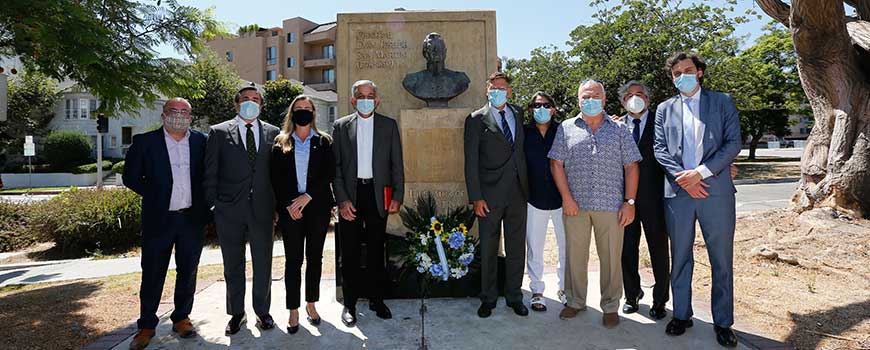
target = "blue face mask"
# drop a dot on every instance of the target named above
(249, 110)
(542, 115)
(591, 106)
(497, 98)
(365, 106)
(686, 83)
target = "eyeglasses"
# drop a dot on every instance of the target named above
(539, 105)
(179, 111)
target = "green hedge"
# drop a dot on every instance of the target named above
(89, 168)
(65, 149)
(14, 233)
(86, 220)
(118, 168)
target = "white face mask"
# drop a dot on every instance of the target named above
(635, 104)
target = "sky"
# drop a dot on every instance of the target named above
(521, 25)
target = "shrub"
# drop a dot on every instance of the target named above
(64, 149)
(89, 168)
(82, 220)
(118, 168)
(13, 227)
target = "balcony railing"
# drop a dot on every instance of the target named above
(319, 62)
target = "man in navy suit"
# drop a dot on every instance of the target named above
(697, 137)
(165, 167)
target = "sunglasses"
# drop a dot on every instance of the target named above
(539, 105)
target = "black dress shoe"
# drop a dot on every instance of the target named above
(235, 324)
(380, 309)
(485, 310)
(265, 322)
(292, 329)
(348, 316)
(314, 321)
(725, 336)
(519, 309)
(677, 326)
(658, 311)
(630, 306)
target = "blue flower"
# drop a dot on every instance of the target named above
(466, 258)
(421, 269)
(456, 240)
(436, 270)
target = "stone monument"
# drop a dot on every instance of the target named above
(436, 84)
(384, 47)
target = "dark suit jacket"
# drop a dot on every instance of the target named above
(490, 162)
(387, 164)
(722, 141)
(321, 173)
(649, 190)
(147, 171)
(229, 180)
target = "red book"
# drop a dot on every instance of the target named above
(388, 197)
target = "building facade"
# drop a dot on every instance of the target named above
(298, 50)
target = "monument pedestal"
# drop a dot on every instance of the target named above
(432, 145)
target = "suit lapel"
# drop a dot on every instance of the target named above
(163, 154)
(677, 109)
(491, 124)
(195, 153)
(704, 106)
(234, 134)
(518, 125)
(265, 144)
(648, 128)
(351, 136)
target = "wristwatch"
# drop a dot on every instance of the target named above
(630, 201)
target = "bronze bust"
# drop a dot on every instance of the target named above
(436, 85)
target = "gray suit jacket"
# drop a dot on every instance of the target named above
(721, 126)
(490, 162)
(228, 178)
(387, 165)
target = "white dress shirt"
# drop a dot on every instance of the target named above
(365, 133)
(693, 134)
(509, 115)
(630, 123)
(243, 130)
(179, 160)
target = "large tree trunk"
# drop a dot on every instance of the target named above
(753, 146)
(832, 61)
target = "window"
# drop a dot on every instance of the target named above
(126, 135)
(274, 33)
(329, 75)
(71, 110)
(290, 62)
(271, 75)
(93, 104)
(291, 37)
(271, 55)
(331, 114)
(229, 56)
(114, 141)
(85, 111)
(329, 51)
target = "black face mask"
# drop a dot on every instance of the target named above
(302, 117)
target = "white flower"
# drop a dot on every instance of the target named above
(424, 240)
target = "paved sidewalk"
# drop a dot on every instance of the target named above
(89, 268)
(450, 324)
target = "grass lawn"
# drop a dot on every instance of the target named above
(35, 189)
(765, 168)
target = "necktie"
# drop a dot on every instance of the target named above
(689, 161)
(506, 129)
(251, 145)
(635, 133)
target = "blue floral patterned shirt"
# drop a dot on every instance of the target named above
(594, 161)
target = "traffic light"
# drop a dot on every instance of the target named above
(102, 124)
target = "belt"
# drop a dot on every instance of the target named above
(368, 181)
(181, 211)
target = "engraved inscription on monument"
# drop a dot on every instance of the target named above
(378, 49)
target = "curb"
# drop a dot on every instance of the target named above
(38, 264)
(766, 181)
(118, 336)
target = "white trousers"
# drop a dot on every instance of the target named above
(536, 236)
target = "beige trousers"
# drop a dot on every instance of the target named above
(608, 243)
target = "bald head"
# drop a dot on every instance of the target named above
(592, 88)
(177, 103)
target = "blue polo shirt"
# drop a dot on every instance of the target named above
(543, 193)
